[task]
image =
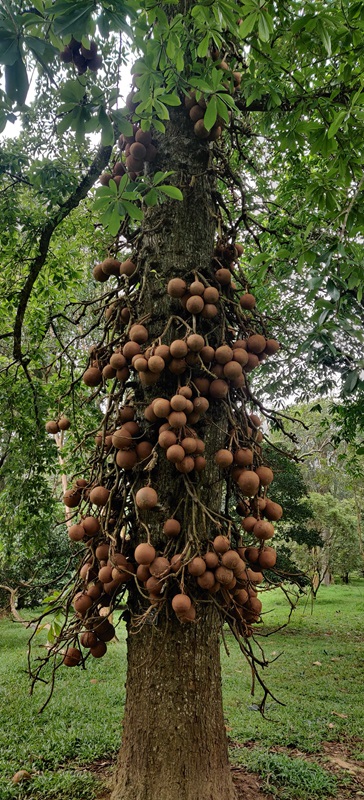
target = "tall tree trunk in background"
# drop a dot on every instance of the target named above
(174, 742)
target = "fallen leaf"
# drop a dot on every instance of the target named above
(93, 680)
(345, 765)
(335, 658)
(331, 725)
(21, 775)
(316, 663)
(342, 716)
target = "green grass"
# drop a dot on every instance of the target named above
(291, 777)
(82, 722)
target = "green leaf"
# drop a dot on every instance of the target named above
(248, 24)
(171, 191)
(16, 81)
(325, 37)
(72, 91)
(160, 109)
(158, 125)
(9, 48)
(151, 198)
(107, 131)
(264, 29)
(180, 62)
(170, 99)
(134, 211)
(123, 124)
(222, 110)
(335, 125)
(351, 381)
(75, 20)
(203, 47)
(210, 114)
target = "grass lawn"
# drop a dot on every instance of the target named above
(318, 677)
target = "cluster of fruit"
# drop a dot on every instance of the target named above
(197, 373)
(82, 57)
(232, 575)
(196, 104)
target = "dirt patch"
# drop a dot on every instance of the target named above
(247, 785)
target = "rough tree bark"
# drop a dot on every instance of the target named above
(174, 741)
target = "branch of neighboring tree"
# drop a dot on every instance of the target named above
(100, 161)
(12, 602)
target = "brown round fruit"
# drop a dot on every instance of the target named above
(263, 530)
(111, 266)
(219, 389)
(256, 343)
(99, 650)
(52, 426)
(232, 371)
(265, 475)
(176, 287)
(160, 567)
(197, 567)
(211, 295)
(91, 525)
(126, 459)
(177, 419)
(247, 301)
(273, 511)
(71, 498)
(221, 544)
(271, 347)
(248, 482)
(223, 354)
(144, 554)
(199, 129)
(181, 603)
(224, 575)
(76, 533)
(72, 657)
(99, 274)
(178, 348)
(248, 523)
(92, 377)
(138, 333)
(64, 423)
(161, 407)
(224, 458)
(171, 527)
(223, 276)
(146, 498)
(99, 496)
(127, 268)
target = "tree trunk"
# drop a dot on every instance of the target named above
(174, 745)
(327, 579)
(345, 578)
(174, 741)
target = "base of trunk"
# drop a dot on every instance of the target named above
(174, 741)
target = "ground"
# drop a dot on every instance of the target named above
(310, 747)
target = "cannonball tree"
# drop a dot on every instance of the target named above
(173, 512)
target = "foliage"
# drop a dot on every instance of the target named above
(340, 552)
(290, 492)
(298, 127)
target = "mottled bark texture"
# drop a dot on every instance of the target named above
(174, 743)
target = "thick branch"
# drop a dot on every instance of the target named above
(101, 159)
